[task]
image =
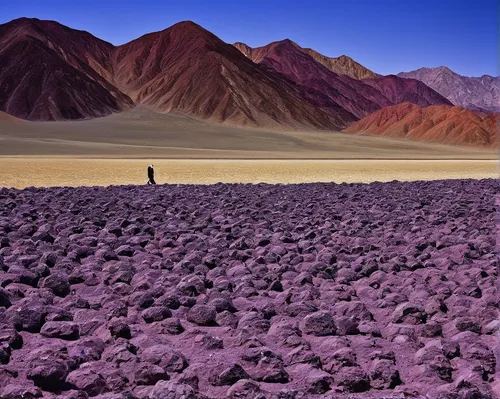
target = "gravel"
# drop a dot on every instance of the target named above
(381, 290)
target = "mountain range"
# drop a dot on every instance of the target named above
(52, 72)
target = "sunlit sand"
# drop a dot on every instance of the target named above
(24, 172)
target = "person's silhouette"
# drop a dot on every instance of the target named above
(151, 174)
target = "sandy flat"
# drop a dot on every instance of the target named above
(23, 172)
(141, 133)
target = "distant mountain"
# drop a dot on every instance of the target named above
(342, 65)
(187, 69)
(399, 90)
(51, 72)
(326, 87)
(359, 97)
(440, 124)
(481, 93)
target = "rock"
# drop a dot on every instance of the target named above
(165, 357)
(245, 389)
(10, 337)
(60, 329)
(346, 326)
(222, 304)
(203, 315)
(352, 379)
(319, 324)
(173, 390)
(49, 373)
(229, 375)
(467, 324)
(87, 350)
(4, 355)
(492, 327)
(118, 328)
(226, 319)
(58, 283)
(384, 375)
(209, 342)
(318, 382)
(149, 374)
(14, 391)
(172, 326)
(31, 320)
(4, 298)
(156, 313)
(87, 380)
(409, 313)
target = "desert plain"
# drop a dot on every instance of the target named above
(117, 149)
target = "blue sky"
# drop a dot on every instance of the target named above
(387, 36)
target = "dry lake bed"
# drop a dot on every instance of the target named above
(20, 172)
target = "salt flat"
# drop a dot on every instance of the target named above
(21, 172)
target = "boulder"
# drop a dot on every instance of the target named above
(60, 329)
(319, 324)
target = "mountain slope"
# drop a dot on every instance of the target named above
(400, 90)
(47, 73)
(360, 97)
(476, 93)
(189, 70)
(342, 65)
(443, 124)
(288, 59)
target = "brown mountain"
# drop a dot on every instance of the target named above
(189, 70)
(441, 124)
(51, 72)
(287, 58)
(342, 65)
(476, 93)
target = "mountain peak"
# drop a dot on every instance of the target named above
(186, 25)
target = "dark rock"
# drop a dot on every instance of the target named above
(203, 315)
(14, 391)
(229, 375)
(87, 380)
(149, 374)
(319, 324)
(119, 328)
(60, 329)
(156, 313)
(58, 283)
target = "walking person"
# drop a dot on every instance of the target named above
(151, 174)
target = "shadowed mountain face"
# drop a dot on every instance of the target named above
(443, 124)
(50, 72)
(399, 90)
(476, 93)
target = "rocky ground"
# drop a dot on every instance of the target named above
(386, 290)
